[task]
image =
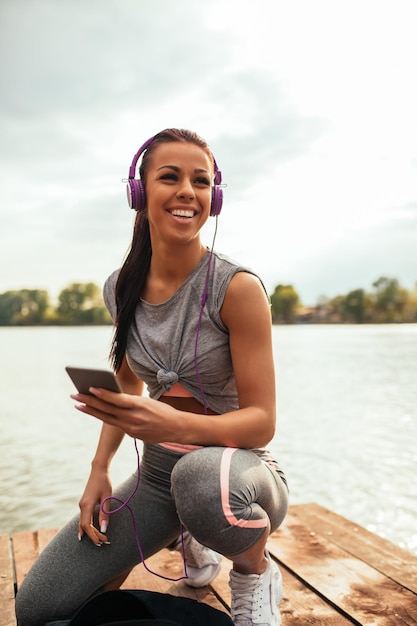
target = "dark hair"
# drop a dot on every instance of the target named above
(134, 271)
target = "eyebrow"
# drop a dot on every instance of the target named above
(178, 169)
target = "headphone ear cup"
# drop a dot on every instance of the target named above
(216, 201)
(136, 196)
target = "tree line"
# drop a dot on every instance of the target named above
(387, 302)
(82, 304)
(78, 304)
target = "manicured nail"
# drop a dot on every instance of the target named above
(79, 537)
(103, 526)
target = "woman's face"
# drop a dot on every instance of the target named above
(178, 190)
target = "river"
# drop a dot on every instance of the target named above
(346, 432)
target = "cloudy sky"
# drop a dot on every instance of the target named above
(309, 107)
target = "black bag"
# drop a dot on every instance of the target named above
(131, 607)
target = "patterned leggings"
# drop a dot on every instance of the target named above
(223, 496)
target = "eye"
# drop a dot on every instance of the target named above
(202, 180)
(169, 176)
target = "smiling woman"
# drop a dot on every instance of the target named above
(195, 327)
(183, 190)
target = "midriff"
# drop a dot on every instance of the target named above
(178, 391)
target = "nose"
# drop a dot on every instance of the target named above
(185, 189)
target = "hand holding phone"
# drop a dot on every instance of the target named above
(85, 377)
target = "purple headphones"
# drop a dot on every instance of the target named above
(136, 196)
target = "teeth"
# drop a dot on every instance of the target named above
(182, 213)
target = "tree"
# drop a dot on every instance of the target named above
(390, 299)
(353, 306)
(81, 303)
(284, 302)
(26, 307)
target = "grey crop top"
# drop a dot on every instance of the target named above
(161, 341)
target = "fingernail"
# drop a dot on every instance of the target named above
(79, 537)
(103, 526)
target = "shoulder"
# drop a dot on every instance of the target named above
(109, 292)
(245, 298)
(110, 282)
(241, 278)
(246, 286)
(227, 269)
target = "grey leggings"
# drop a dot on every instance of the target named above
(223, 496)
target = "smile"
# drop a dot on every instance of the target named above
(182, 213)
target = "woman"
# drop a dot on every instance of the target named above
(196, 328)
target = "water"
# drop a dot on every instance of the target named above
(346, 433)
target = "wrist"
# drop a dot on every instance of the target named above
(100, 465)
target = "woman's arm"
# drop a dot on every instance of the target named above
(98, 486)
(246, 313)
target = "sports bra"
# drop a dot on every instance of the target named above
(178, 391)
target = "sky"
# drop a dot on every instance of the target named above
(308, 106)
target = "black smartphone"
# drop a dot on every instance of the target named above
(85, 377)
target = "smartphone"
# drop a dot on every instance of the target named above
(84, 378)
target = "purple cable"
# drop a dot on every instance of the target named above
(197, 335)
(125, 503)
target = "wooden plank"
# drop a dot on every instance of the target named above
(168, 563)
(335, 572)
(7, 614)
(388, 558)
(27, 546)
(25, 550)
(300, 605)
(357, 590)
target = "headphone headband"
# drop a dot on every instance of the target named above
(132, 168)
(136, 195)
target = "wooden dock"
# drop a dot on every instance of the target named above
(335, 573)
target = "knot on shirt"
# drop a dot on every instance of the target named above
(166, 379)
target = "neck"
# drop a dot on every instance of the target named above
(169, 268)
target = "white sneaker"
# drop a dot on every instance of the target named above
(256, 597)
(203, 564)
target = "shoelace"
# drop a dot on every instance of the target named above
(243, 591)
